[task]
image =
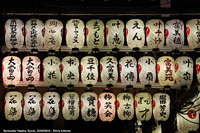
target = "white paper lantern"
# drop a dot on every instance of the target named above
(32, 106)
(13, 105)
(51, 70)
(50, 105)
(89, 106)
(70, 70)
(161, 106)
(125, 106)
(174, 32)
(115, 33)
(128, 70)
(34, 33)
(31, 69)
(107, 106)
(70, 105)
(166, 71)
(95, 33)
(196, 101)
(184, 70)
(155, 33)
(147, 70)
(135, 33)
(108, 69)
(53, 34)
(75, 34)
(198, 69)
(14, 33)
(11, 68)
(143, 106)
(89, 70)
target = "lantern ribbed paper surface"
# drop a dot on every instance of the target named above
(198, 69)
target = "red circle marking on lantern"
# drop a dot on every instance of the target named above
(139, 68)
(62, 68)
(66, 31)
(187, 31)
(106, 31)
(81, 68)
(154, 104)
(63, 104)
(126, 32)
(118, 104)
(5, 31)
(120, 68)
(99, 104)
(44, 31)
(135, 103)
(166, 33)
(87, 31)
(176, 67)
(101, 67)
(42, 103)
(158, 68)
(192, 114)
(81, 104)
(2, 68)
(23, 103)
(147, 31)
(198, 68)
(25, 32)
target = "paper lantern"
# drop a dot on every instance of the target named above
(11, 69)
(108, 69)
(70, 70)
(89, 70)
(115, 33)
(51, 70)
(31, 69)
(155, 33)
(135, 33)
(174, 32)
(125, 106)
(196, 101)
(198, 69)
(161, 106)
(128, 70)
(158, 129)
(50, 105)
(89, 107)
(75, 34)
(70, 105)
(147, 70)
(53, 34)
(13, 105)
(184, 70)
(166, 71)
(143, 106)
(106, 106)
(34, 33)
(14, 33)
(193, 32)
(32, 106)
(95, 33)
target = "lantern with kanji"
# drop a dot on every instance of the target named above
(70, 106)
(14, 33)
(89, 106)
(107, 106)
(174, 32)
(166, 71)
(32, 106)
(135, 36)
(155, 33)
(143, 106)
(198, 69)
(184, 70)
(13, 105)
(53, 34)
(11, 70)
(161, 106)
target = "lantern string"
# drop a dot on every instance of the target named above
(187, 119)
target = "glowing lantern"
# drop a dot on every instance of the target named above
(161, 106)
(75, 37)
(184, 70)
(143, 106)
(155, 33)
(174, 32)
(89, 107)
(125, 106)
(89, 70)
(53, 34)
(13, 105)
(108, 69)
(107, 106)
(14, 33)
(166, 71)
(34, 33)
(70, 70)
(32, 106)
(147, 70)
(50, 105)
(128, 70)
(135, 33)
(115, 33)
(95, 33)
(198, 69)
(70, 105)
(11, 68)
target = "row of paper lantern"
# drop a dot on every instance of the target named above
(168, 70)
(50, 34)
